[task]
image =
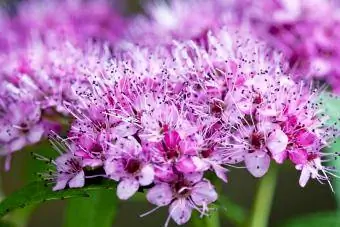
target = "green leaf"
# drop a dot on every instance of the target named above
(232, 211)
(6, 224)
(98, 210)
(314, 220)
(39, 192)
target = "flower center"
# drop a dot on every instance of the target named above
(24, 127)
(96, 149)
(132, 166)
(257, 140)
(206, 153)
(182, 189)
(172, 154)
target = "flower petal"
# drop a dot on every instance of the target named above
(304, 177)
(160, 195)
(180, 211)
(277, 141)
(172, 139)
(17, 144)
(221, 172)
(78, 181)
(61, 184)
(127, 188)
(257, 163)
(35, 133)
(146, 176)
(203, 193)
(185, 165)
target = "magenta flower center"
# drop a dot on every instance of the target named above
(132, 166)
(182, 189)
(96, 149)
(24, 127)
(257, 140)
(206, 153)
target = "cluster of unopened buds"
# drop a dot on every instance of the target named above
(159, 103)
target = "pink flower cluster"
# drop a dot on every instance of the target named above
(42, 55)
(307, 31)
(76, 20)
(174, 100)
(163, 118)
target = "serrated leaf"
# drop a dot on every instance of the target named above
(314, 220)
(39, 192)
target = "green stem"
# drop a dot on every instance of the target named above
(263, 199)
(213, 220)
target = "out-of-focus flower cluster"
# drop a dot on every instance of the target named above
(180, 94)
(306, 31)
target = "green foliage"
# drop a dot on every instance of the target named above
(97, 210)
(315, 220)
(232, 211)
(39, 191)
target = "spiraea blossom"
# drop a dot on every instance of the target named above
(36, 84)
(43, 56)
(187, 96)
(160, 119)
(178, 20)
(74, 20)
(308, 37)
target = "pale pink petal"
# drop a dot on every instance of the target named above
(7, 133)
(78, 181)
(185, 165)
(194, 177)
(61, 184)
(92, 162)
(257, 163)
(146, 175)
(124, 130)
(35, 133)
(201, 165)
(17, 144)
(165, 173)
(127, 188)
(280, 157)
(221, 172)
(203, 193)
(160, 195)
(114, 169)
(304, 177)
(180, 211)
(277, 141)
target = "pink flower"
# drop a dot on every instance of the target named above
(306, 36)
(183, 195)
(77, 21)
(21, 126)
(127, 165)
(69, 172)
(178, 20)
